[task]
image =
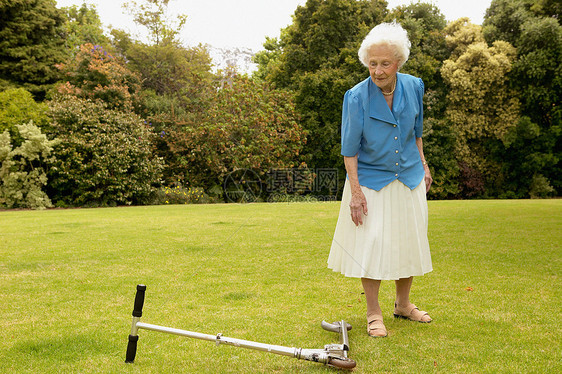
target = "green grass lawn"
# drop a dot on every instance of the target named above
(258, 272)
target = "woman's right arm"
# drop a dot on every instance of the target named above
(358, 204)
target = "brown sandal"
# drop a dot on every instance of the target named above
(375, 324)
(411, 313)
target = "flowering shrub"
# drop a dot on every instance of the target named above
(22, 172)
(180, 195)
(97, 75)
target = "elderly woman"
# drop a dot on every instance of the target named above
(382, 226)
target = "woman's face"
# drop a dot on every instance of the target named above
(383, 66)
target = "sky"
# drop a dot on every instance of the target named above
(244, 24)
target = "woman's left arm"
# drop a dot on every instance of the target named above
(428, 179)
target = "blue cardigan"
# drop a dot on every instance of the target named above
(384, 139)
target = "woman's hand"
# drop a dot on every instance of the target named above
(428, 178)
(358, 203)
(358, 207)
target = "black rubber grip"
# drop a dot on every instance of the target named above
(139, 300)
(132, 348)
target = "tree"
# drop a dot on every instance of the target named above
(534, 29)
(424, 23)
(547, 8)
(504, 18)
(482, 109)
(83, 26)
(166, 67)
(538, 77)
(31, 44)
(97, 75)
(248, 126)
(320, 32)
(171, 70)
(316, 57)
(175, 80)
(152, 14)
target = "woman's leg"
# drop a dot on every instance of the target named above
(374, 313)
(371, 288)
(403, 286)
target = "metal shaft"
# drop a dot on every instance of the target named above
(344, 338)
(219, 339)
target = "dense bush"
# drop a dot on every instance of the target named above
(104, 156)
(17, 106)
(248, 125)
(22, 168)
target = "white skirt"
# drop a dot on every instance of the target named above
(392, 241)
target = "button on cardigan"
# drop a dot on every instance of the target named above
(384, 139)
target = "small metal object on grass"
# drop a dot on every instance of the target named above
(332, 354)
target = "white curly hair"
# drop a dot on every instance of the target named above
(391, 34)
